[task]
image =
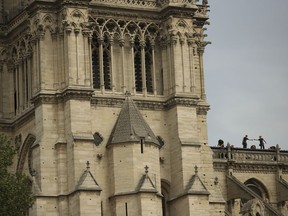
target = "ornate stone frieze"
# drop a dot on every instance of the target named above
(254, 168)
(220, 167)
(135, 3)
(244, 167)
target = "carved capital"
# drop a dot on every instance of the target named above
(87, 33)
(190, 41)
(142, 44)
(121, 42)
(174, 40)
(77, 30)
(182, 40)
(201, 46)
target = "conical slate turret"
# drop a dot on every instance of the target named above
(131, 126)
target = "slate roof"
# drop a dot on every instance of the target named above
(131, 126)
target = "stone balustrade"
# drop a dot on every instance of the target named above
(152, 3)
(250, 155)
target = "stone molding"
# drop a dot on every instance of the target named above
(59, 97)
(17, 121)
(240, 167)
(87, 94)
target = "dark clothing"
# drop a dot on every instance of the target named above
(244, 142)
(220, 143)
(261, 144)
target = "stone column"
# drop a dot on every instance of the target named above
(121, 43)
(200, 53)
(191, 64)
(182, 41)
(143, 71)
(133, 66)
(153, 68)
(112, 72)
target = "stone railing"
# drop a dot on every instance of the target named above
(136, 3)
(250, 155)
(149, 3)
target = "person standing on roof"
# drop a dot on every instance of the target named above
(261, 142)
(244, 141)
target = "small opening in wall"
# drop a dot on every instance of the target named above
(142, 145)
(126, 209)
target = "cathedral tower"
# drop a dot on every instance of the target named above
(107, 103)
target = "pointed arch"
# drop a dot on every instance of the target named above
(4, 55)
(77, 16)
(258, 187)
(48, 23)
(182, 28)
(25, 148)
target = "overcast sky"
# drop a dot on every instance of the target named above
(246, 71)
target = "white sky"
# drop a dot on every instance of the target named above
(246, 71)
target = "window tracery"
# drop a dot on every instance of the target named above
(109, 60)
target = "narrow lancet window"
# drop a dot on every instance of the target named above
(95, 62)
(148, 66)
(137, 65)
(107, 63)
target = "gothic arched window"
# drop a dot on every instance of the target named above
(148, 66)
(137, 65)
(101, 62)
(107, 63)
(95, 62)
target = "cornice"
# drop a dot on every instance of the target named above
(107, 102)
(18, 121)
(240, 167)
(254, 168)
(157, 104)
(181, 101)
(157, 13)
(56, 97)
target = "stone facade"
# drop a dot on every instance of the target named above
(106, 103)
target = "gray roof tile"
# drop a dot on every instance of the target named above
(131, 126)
